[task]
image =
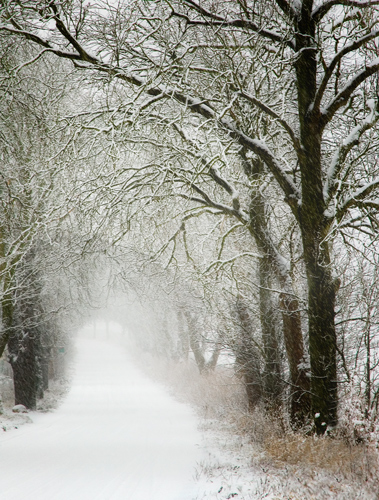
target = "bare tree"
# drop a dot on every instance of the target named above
(284, 65)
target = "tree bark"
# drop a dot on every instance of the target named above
(272, 373)
(299, 383)
(247, 356)
(25, 370)
(322, 343)
(314, 225)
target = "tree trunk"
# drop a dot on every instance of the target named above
(25, 370)
(7, 301)
(212, 362)
(194, 341)
(314, 229)
(272, 373)
(300, 403)
(289, 307)
(203, 365)
(248, 356)
(322, 345)
(7, 308)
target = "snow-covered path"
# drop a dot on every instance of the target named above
(116, 436)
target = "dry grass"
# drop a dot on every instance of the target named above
(220, 395)
(333, 455)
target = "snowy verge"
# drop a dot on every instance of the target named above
(10, 420)
(247, 457)
(236, 467)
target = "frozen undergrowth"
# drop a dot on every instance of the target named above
(249, 458)
(238, 468)
(10, 420)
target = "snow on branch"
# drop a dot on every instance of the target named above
(40, 41)
(85, 56)
(331, 185)
(359, 198)
(225, 236)
(236, 23)
(18, 68)
(260, 148)
(343, 96)
(207, 201)
(266, 109)
(350, 47)
(213, 171)
(219, 264)
(324, 8)
(200, 107)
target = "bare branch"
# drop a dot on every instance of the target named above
(331, 186)
(343, 96)
(40, 41)
(357, 199)
(197, 106)
(273, 114)
(324, 8)
(216, 20)
(74, 42)
(329, 70)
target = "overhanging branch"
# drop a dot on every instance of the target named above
(324, 8)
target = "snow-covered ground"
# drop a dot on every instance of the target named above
(117, 435)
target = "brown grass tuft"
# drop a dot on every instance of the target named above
(333, 455)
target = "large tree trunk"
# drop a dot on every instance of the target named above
(7, 301)
(25, 349)
(314, 225)
(300, 403)
(322, 343)
(24, 364)
(7, 319)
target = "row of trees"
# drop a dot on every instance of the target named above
(236, 141)
(37, 246)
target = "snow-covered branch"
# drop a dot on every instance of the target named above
(343, 96)
(320, 11)
(221, 263)
(337, 58)
(331, 185)
(359, 198)
(224, 22)
(207, 201)
(85, 56)
(269, 111)
(40, 41)
(213, 171)
(200, 107)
